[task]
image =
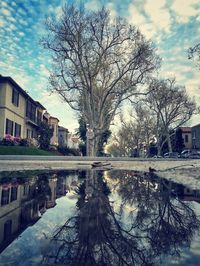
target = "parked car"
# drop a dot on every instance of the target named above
(186, 153)
(171, 155)
(194, 156)
(157, 156)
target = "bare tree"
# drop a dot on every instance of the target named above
(137, 133)
(98, 63)
(172, 107)
(194, 53)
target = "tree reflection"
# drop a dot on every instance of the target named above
(158, 222)
(95, 236)
(167, 221)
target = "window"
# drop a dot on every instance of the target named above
(13, 193)
(17, 130)
(28, 133)
(15, 97)
(26, 190)
(5, 196)
(31, 111)
(9, 127)
(186, 138)
(53, 126)
(39, 117)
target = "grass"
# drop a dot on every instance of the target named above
(19, 150)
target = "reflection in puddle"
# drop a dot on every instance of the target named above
(113, 218)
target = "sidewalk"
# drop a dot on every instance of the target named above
(183, 171)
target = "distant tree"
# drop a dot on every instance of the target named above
(45, 133)
(136, 132)
(172, 108)
(114, 149)
(82, 148)
(98, 62)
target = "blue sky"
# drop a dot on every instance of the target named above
(173, 26)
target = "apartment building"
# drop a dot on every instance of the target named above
(20, 115)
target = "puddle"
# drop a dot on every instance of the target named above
(97, 218)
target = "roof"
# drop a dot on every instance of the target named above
(52, 117)
(63, 128)
(198, 125)
(40, 105)
(12, 82)
(186, 129)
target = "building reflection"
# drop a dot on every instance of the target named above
(23, 201)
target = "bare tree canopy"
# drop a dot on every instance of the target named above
(171, 106)
(98, 63)
(194, 53)
(135, 133)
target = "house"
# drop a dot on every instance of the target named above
(53, 122)
(187, 137)
(62, 136)
(196, 137)
(20, 115)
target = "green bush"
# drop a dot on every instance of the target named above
(64, 150)
(24, 143)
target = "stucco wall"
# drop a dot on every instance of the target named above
(16, 119)
(20, 110)
(188, 145)
(9, 110)
(196, 137)
(54, 122)
(2, 94)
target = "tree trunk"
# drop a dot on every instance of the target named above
(158, 149)
(169, 142)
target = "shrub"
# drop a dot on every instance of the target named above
(17, 140)
(45, 134)
(64, 150)
(24, 143)
(8, 140)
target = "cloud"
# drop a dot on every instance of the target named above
(5, 12)
(159, 14)
(21, 34)
(93, 5)
(1, 23)
(135, 17)
(184, 10)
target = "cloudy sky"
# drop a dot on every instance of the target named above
(173, 25)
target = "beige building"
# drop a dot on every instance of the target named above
(20, 115)
(53, 122)
(62, 136)
(187, 137)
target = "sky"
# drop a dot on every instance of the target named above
(172, 25)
